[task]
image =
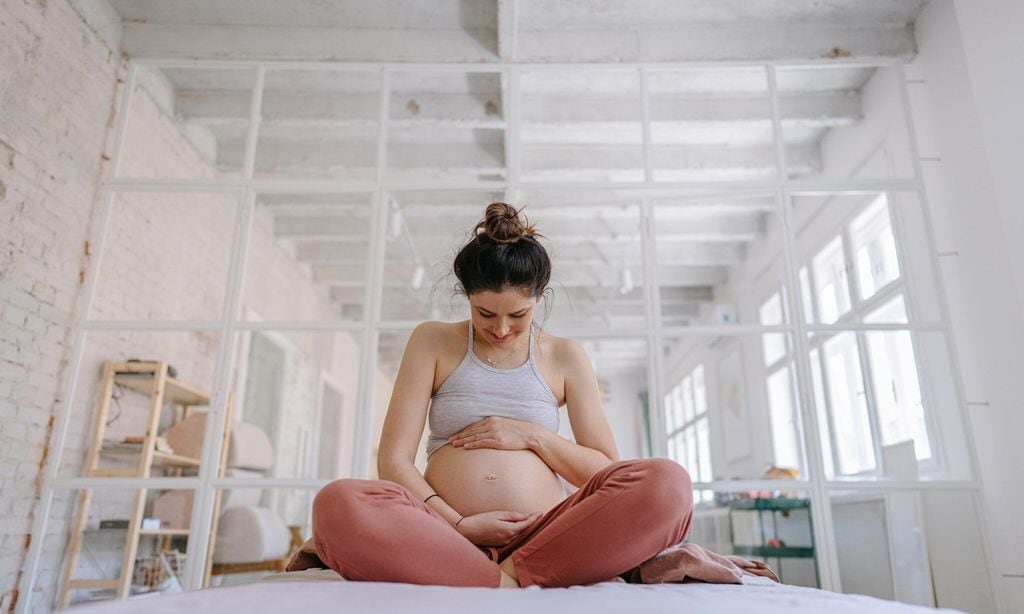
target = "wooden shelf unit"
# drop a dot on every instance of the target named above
(153, 380)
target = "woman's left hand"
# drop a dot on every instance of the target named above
(497, 433)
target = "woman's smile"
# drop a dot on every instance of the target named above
(502, 339)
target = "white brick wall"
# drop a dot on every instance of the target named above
(57, 87)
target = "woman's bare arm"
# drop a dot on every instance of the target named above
(595, 446)
(407, 414)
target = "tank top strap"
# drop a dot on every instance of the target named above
(469, 345)
(531, 342)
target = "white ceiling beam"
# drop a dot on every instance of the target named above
(319, 13)
(306, 43)
(684, 276)
(547, 115)
(563, 163)
(701, 42)
(508, 17)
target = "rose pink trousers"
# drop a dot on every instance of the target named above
(374, 530)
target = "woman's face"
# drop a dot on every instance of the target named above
(501, 318)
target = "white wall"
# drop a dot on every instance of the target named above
(966, 91)
(57, 89)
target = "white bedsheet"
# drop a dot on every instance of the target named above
(312, 594)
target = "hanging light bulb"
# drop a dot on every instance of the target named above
(625, 280)
(417, 276)
(394, 221)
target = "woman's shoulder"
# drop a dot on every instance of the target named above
(560, 349)
(441, 335)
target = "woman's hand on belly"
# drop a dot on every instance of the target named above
(495, 528)
(497, 433)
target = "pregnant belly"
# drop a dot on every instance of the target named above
(486, 480)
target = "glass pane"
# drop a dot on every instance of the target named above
(682, 406)
(900, 546)
(620, 365)
(711, 125)
(295, 404)
(110, 517)
(874, 248)
(319, 124)
(597, 266)
(785, 423)
(167, 257)
(446, 126)
(670, 413)
(282, 519)
(831, 284)
(700, 397)
(847, 401)
(187, 123)
(307, 257)
(825, 422)
(734, 396)
(774, 343)
(771, 526)
(704, 451)
(719, 257)
(907, 400)
(134, 359)
(425, 232)
(581, 125)
(687, 391)
(893, 312)
(842, 122)
(807, 297)
(897, 391)
(862, 249)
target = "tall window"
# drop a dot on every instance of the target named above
(689, 434)
(785, 421)
(867, 381)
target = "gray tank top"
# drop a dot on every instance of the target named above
(476, 390)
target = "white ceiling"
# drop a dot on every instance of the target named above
(706, 124)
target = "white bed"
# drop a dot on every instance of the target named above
(322, 591)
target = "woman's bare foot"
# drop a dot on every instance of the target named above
(509, 576)
(508, 581)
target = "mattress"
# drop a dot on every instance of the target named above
(323, 591)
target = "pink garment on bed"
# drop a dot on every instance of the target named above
(690, 562)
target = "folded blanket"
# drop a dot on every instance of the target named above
(679, 563)
(693, 563)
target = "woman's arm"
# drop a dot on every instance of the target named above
(407, 414)
(576, 462)
(595, 446)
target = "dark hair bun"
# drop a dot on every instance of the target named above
(502, 224)
(504, 252)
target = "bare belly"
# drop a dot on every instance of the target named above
(486, 480)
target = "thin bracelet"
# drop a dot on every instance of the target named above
(458, 521)
(428, 498)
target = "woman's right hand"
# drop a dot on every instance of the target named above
(495, 528)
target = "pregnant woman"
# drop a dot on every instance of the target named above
(490, 509)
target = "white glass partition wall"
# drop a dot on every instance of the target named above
(745, 252)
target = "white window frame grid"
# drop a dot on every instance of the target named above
(785, 361)
(818, 488)
(859, 309)
(701, 450)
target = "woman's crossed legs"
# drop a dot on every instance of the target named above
(375, 530)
